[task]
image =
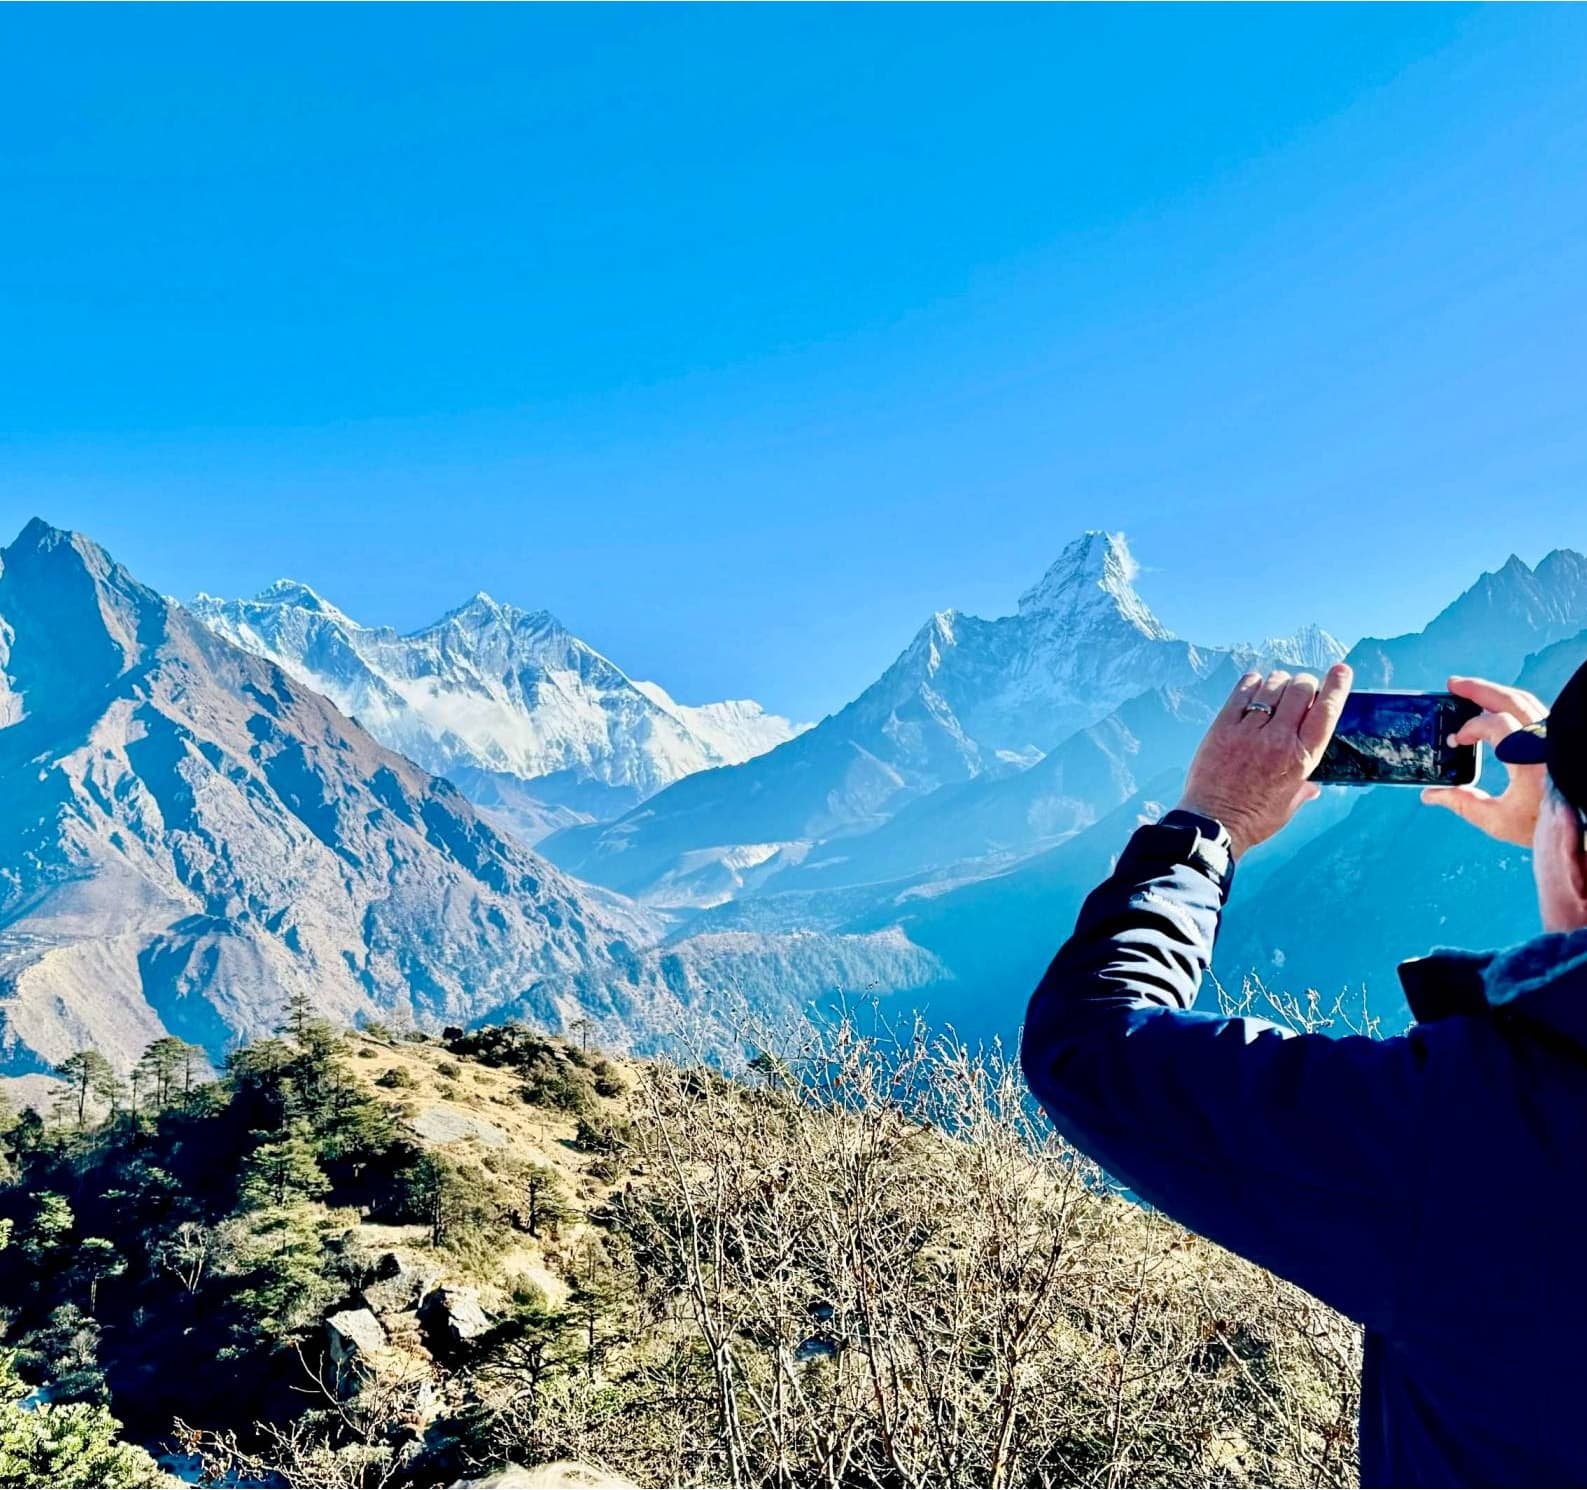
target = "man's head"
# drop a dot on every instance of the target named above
(1559, 845)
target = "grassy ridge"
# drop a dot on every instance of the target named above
(359, 1259)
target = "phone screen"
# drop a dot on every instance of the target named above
(1399, 739)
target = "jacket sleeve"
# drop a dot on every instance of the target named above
(1297, 1151)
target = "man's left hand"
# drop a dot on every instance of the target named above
(1250, 771)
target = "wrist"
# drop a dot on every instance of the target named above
(1202, 841)
(1227, 820)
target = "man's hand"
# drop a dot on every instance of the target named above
(1510, 817)
(1250, 771)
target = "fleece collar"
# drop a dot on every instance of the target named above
(1544, 980)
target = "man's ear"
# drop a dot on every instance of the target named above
(1577, 862)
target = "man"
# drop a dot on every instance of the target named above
(1431, 1186)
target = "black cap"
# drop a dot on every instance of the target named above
(1560, 742)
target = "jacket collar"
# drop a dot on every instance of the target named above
(1544, 980)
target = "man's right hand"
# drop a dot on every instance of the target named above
(1510, 817)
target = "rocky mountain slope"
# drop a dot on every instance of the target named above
(968, 703)
(188, 837)
(533, 724)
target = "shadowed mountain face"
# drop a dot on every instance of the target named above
(1488, 631)
(188, 837)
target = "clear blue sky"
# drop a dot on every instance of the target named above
(743, 338)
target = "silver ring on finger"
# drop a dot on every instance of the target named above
(1259, 709)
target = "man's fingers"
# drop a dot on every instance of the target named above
(1234, 709)
(1469, 802)
(1266, 698)
(1322, 719)
(1296, 701)
(1499, 698)
(1488, 729)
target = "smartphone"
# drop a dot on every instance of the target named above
(1400, 739)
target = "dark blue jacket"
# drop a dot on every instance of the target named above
(1432, 1186)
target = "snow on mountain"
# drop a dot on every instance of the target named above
(967, 698)
(1093, 582)
(531, 722)
(1311, 648)
(188, 836)
(736, 729)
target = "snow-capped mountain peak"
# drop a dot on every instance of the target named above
(480, 609)
(1091, 581)
(286, 591)
(1311, 647)
(507, 703)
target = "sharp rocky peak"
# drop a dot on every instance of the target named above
(39, 542)
(294, 593)
(1092, 579)
(482, 612)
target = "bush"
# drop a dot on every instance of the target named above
(77, 1444)
(449, 1069)
(560, 1091)
(396, 1078)
(610, 1136)
(911, 1205)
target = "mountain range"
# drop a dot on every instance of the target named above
(209, 810)
(971, 747)
(190, 836)
(534, 725)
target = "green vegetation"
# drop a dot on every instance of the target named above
(865, 1262)
(71, 1444)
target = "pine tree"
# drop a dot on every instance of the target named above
(95, 1260)
(283, 1169)
(595, 1294)
(48, 1228)
(282, 1250)
(299, 1014)
(88, 1074)
(547, 1205)
(164, 1067)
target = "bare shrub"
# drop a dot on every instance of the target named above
(877, 1265)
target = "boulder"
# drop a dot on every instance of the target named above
(398, 1286)
(453, 1317)
(355, 1339)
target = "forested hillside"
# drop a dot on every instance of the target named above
(363, 1259)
